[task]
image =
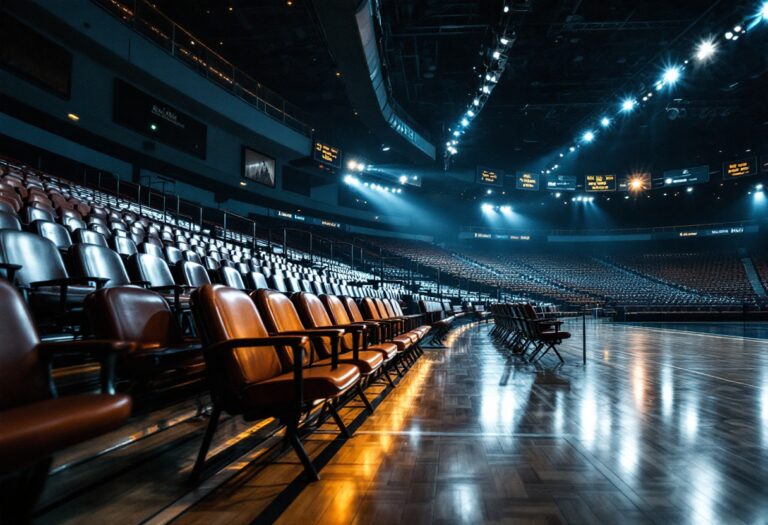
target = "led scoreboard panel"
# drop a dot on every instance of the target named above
(740, 168)
(600, 183)
(328, 155)
(561, 182)
(527, 181)
(683, 177)
(489, 177)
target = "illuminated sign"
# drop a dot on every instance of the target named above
(483, 236)
(600, 183)
(489, 177)
(561, 182)
(328, 155)
(682, 177)
(330, 224)
(740, 168)
(527, 181)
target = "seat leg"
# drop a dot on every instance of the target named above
(389, 377)
(213, 423)
(291, 435)
(364, 398)
(335, 415)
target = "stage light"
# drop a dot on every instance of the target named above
(496, 55)
(367, 184)
(476, 102)
(489, 192)
(360, 166)
(628, 105)
(486, 89)
(671, 75)
(487, 208)
(73, 117)
(456, 133)
(465, 122)
(562, 155)
(506, 9)
(729, 35)
(504, 41)
(759, 187)
(605, 122)
(764, 11)
(384, 147)
(506, 209)
(588, 136)
(350, 180)
(557, 195)
(470, 113)
(689, 189)
(636, 184)
(591, 199)
(352, 164)
(403, 179)
(572, 149)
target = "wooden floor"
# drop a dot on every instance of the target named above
(661, 426)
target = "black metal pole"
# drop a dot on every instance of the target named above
(584, 335)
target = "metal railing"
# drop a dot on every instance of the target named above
(147, 20)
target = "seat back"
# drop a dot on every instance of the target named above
(223, 314)
(231, 277)
(279, 314)
(152, 249)
(54, 232)
(355, 315)
(335, 308)
(22, 378)
(39, 258)
(130, 313)
(35, 213)
(370, 309)
(89, 260)
(276, 282)
(154, 270)
(256, 281)
(82, 236)
(191, 274)
(9, 221)
(124, 246)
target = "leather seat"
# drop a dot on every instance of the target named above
(89, 237)
(54, 232)
(145, 319)
(36, 424)
(90, 260)
(339, 316)
(153, 270)
(191, 274)
(257, 375)
(9, 221)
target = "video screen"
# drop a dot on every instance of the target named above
(258, 167)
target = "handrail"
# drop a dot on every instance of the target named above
(146, 19)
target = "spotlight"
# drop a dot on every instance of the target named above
(759, 187)
(628, 105)
(764, 11)
(557, 195)
(591, 199)
(729, 35)
(562, 155)
(506, 209)
(470, 113)
(572, 149)
(489, 192)
(504, 41)
(487, 208)
(367, 184)
(465, 122)
(486, 89)
(496, 55)
(352, 164)
(360, 166)
(506, 9)
(689, 189)
(588, 136)
(456, 133)
(605, 122)
(476, 102)
(705, 50)
(385, 147)
(671, 75)
(350, 180)
(403, 179)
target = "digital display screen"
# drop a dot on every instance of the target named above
(740, 168)
(328, 155)
(489, 177)
(683, 177)
(157, 120)
(527, 181)
(600, 183)
(258, 167)
(561, 182)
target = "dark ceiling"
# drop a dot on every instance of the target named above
(571, 61)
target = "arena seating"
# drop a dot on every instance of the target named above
(519, 327)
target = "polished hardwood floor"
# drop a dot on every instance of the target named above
(661, 426)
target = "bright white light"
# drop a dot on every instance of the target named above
(476, 102)
(360, 166)
(403, 179)
(349, 179)
(465, 122)
(737, 29)
(557, 195)
(496, 55)
(456, 133)
(764, 11)
(489, 192)
(759, 196)
(729, 36)
(562, 155)
(506, 209)
(352, 164)
(671, 75)
(487, 208)
(689, 189)
(759, 187)
(591, 199)
(588, 136)
(572, 149)
(705, 50)
(470, 113)
(504, 41)
(605, 122)
(506, 9)
(628, 105)
(486, 89)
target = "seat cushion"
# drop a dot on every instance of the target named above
(554, 336)
(368, 361)
(403, 342)
(387, 350)
(320, 382)
(32, 432)
(45, 297)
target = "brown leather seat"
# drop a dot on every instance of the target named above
(33, 422)
(281, 317)
(257, 375)
(371, 312)
(339, 316)
(144, 318)
(355, 342)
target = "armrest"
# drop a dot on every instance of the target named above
(10, 270)
(71, 281)
(105, 350)
(297, 344)
(318, 333)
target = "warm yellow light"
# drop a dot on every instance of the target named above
(73, 117)
(243, 183)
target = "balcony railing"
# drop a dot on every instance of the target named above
(151, 23)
